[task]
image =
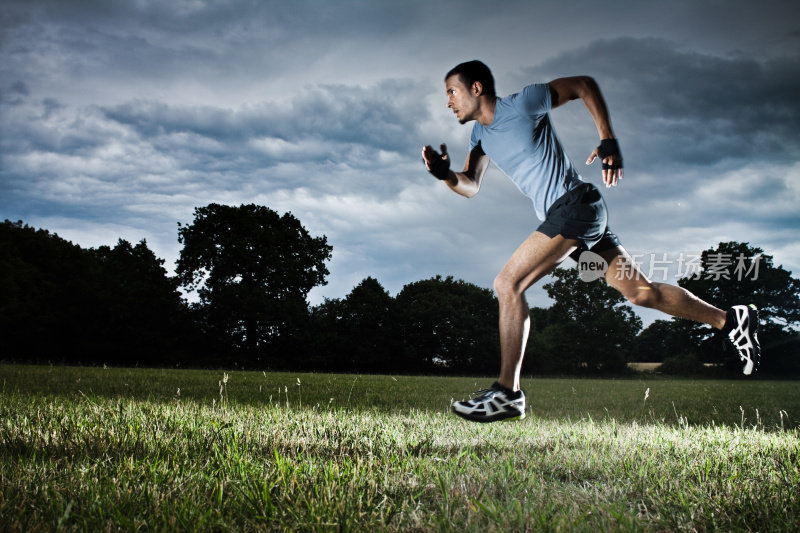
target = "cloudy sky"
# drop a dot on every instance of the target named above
(118, 118)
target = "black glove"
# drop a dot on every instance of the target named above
(440, 168)
(607, 148)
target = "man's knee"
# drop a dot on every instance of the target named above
(504, 286)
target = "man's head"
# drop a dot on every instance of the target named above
(468, 85)
(474, 71)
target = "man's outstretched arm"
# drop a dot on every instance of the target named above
(563, 90)
(468, 181)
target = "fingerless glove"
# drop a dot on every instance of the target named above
(440, 168)
(609, 147)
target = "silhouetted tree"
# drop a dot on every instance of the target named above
(448, 324)
(664, 339)
(140, 308)
(367, 318)
(737, 273)
(252, 269)
(357, 333)
(540, 318)
(328, 344)
(47, 297)
(60, 302)
(589, 328)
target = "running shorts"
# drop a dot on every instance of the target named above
(581, 214)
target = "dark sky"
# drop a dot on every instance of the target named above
(118, 118)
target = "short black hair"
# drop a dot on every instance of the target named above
(471, 71)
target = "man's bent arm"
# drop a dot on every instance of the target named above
(563, 90)
(467, 182)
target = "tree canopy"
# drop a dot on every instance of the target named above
(61, 302)
(447, 323)
(356, 332)
(589, 328)
(252, 269)
(737, 273)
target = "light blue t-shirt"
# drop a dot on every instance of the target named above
(523, 144)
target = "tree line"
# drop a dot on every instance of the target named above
(250, 270)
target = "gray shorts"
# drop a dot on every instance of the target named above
(581, 214)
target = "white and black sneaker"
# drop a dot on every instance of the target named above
(492, 404)
(741, 327)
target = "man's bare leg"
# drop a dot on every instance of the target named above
(626, 277)
(534, 259)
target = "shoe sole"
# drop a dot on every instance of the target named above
(502, 418)
(756, 342)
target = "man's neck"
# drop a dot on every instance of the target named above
(486, 111)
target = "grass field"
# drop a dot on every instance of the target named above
(95, 449)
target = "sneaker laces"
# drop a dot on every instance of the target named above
(483, 394)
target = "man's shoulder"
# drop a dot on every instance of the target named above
(533, 99)
(528, 90)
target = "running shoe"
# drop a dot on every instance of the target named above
(492, 404)
(743, 323)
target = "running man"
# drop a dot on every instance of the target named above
(517, 134)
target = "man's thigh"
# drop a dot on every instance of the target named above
(536, 257)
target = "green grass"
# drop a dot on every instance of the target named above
(94, 449)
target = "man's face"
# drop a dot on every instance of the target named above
(461, 99)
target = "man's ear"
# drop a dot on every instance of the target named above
(477, 88)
